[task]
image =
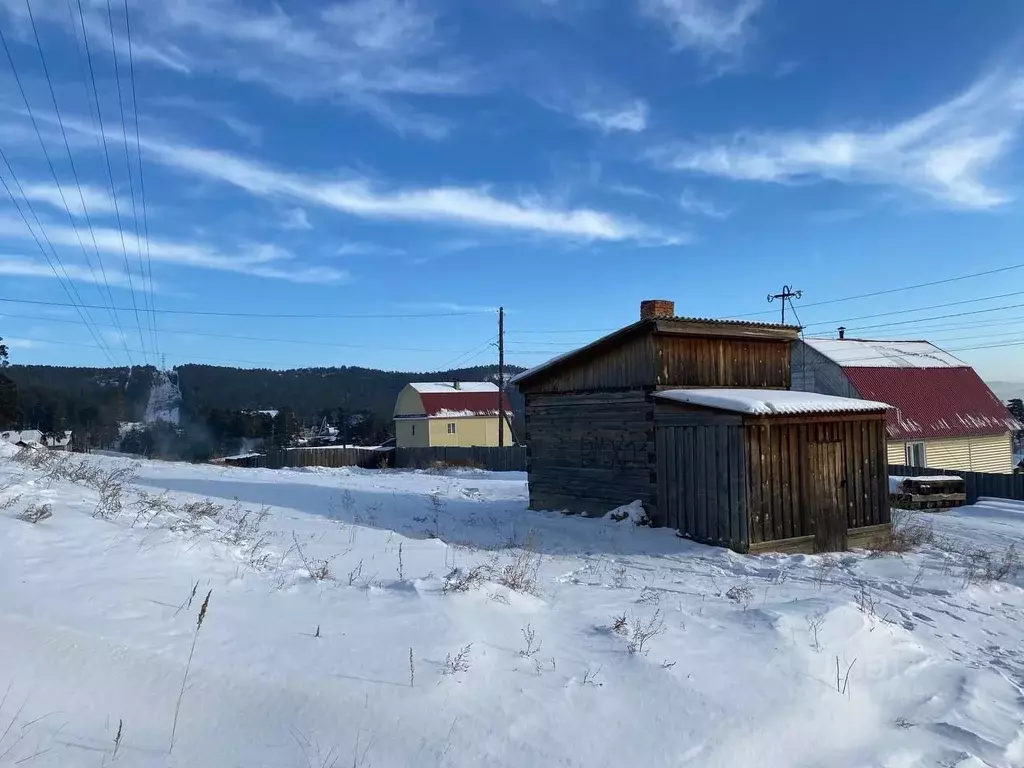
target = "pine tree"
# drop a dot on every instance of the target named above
(1016, 406)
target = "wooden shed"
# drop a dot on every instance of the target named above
(597, 438)
(758, 470)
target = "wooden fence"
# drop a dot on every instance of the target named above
(317, 457)
(978, 483)
(511, 458)
(508, 458)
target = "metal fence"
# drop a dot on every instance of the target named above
(997, 486)
(506, 459)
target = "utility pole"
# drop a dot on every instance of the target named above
(501, 377)
(788, 294)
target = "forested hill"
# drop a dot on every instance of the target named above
(309, 391)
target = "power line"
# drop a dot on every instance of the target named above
(142, 183)
(74, 169)
(69, 285)
(286, 315)
(936, 317)
(277, 340)
(464, 357)
(888, 291)
(106, 155)
(131, 182)
(918, 309)
(56, 181)
(92, 116)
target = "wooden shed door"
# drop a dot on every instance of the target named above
(828, 482)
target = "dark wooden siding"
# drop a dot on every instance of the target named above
(690, 361)
(627, 365)
(780, 496)
(701, 477)
(590, 452)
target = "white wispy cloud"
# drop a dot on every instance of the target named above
(631, 117)
(296, 219)
(18, 266)
(97, 201)
(444, 306)
(366, 249)
(696, 205)
(943, 153)
(258, 259)
(365, 54)
(468, 206)
(711, 28)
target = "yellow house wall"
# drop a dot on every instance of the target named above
(412, 433)
(408, 403)
(992, 453)
(469, 430)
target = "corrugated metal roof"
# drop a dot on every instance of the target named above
(769, 402)
(871, 353)
(554, 361)
(442, 387)
(458, 403)
(933, 402)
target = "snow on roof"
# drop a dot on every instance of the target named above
(766, 402)
(868, 353)
(445, 387)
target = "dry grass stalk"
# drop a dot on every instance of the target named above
(35, 513)
(181, 694)
(642, 631)
(457, 663)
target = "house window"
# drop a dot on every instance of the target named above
(451, 428)
(915, 454)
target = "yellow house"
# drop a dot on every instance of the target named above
(457, 413)
(943, 415)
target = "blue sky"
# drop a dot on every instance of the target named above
(424, 161)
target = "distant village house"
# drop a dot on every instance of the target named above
(36, 438)
(943, 416)
(458, 413)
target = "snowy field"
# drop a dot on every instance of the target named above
(398, 618)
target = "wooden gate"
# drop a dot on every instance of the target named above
(828, 484)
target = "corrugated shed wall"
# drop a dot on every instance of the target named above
(813, 372)
(973, 454)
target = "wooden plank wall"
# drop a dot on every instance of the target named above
(688, 361)
(780, 497)
(317, 457)
(628, 364)
(993, 484)
(702, 485)
(590, 452)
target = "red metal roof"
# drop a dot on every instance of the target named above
(457, 403)
(933, 402)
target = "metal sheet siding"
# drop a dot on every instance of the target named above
(896, 452)
(971, 454)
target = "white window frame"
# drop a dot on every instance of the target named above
(451, 427)
(910, 449)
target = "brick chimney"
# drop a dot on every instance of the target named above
(657, 308)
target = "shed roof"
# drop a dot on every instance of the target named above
(684, 326)
(770, 402)
(873, 353)
(934, 402)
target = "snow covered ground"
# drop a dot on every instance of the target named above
(99, 610)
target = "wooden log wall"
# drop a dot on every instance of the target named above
(688, 361)
(590, 452)
(702, 489)
(780, 497)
